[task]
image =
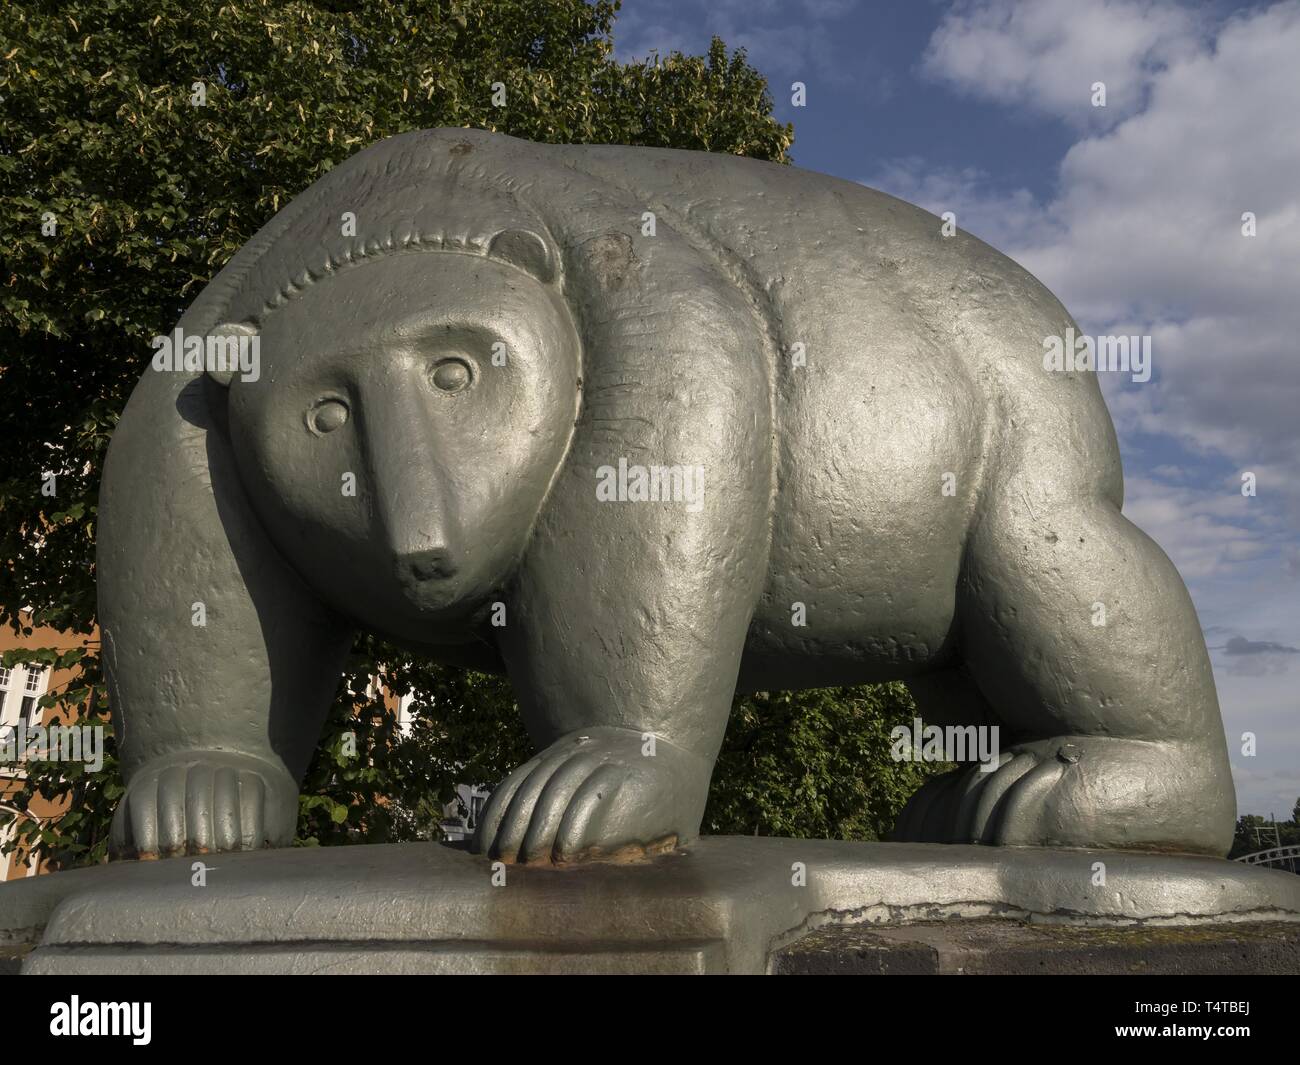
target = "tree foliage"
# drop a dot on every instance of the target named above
(814, 764)
(142, 142)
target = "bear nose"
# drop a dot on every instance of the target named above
(430, 565)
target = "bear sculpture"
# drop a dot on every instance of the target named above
(639, 428)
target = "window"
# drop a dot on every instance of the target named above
(34, 676)
(30, 714)
(4, 676)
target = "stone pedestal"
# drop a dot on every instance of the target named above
(1010, 948)
(725, 904)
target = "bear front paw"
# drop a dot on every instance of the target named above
(201, 802)
(601, 793)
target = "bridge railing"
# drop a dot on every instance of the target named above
(1287, 857)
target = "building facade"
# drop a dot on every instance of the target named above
(21, 689)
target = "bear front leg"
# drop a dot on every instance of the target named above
(624, 653)
(220, 662)
(624, 662)
(627, 622)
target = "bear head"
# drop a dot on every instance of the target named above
(409, 417)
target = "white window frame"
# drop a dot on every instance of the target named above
(33, 686)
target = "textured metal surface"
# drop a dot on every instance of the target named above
(724, 904)
(827, 359)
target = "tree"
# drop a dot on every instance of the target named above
(1248, 838)
(814, 764)
(1256, 833)
(142, 142)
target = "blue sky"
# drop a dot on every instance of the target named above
(1132, 214)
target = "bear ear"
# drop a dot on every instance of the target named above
(223, 368)
(527, 250)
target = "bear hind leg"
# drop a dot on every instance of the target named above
(1081, 636)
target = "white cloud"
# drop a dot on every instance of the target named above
(1266, 791)
(1260, 699)
(1047, 55)
(1204, 533)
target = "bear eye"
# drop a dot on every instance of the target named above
(326, 416)
(451, 375)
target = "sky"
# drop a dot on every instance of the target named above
(1132, 214)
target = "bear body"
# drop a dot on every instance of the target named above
(862, 471)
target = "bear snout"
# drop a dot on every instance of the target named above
(434, 564)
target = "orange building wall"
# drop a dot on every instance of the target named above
(11, 775)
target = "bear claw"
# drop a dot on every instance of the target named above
(205, 802)
(594, 796)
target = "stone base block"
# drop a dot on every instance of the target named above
(724, 904)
